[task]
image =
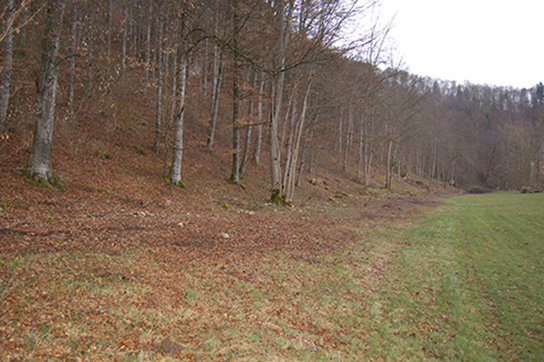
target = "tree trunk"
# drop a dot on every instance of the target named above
(368, 168)
(399, 164)
(388, 164)
(39, 164)
(290, 140)
(249, 126)
(290, 184)
(235, 175)
(167, 143)
(433, 164)
(148, 42)
(367, 154)
(258, 145)
(177, 152)
(125, 36)
(7, 63)
(278, 81)
(308, 139)
(159, 92)
(349, 140)
(338, 137)
(73, 46)
(204, 78)
(90, 44)
(108, 35)
(216, 90)
(360, 157)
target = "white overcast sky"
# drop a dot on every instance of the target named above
(495, 42)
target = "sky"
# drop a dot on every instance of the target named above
(495, 42)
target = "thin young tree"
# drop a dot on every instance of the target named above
(73, 49)
(235, 175)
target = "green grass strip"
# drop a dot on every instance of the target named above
(469, 285)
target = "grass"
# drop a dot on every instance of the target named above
(463, 284)
(468, 286)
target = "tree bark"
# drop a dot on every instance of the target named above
(249, 126)
(258, 145)
(290, 184)
(39, 164)
(291, 124)
(177, 152)
(108, 35)
(6, 67)
(388, 165)
(278, 80)
(360, 157)
(308, 139)
(216, 90)
(349, 140)
(125, 36)
(159, 92)
(235, 175)
(340, 136)
(204, 78)
(167, 143)
(367, 153)
(90, 44)
(148, 42)
(73, 46)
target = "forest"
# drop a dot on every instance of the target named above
(291, 85)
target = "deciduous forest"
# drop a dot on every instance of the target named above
(278, 76)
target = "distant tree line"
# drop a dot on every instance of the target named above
(280, 71)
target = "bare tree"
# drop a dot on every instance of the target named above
(182, 73)
(73, 47)
(39, 164)
(7, 61)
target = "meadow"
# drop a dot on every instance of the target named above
(463, 281)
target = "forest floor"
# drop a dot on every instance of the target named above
(121, 266)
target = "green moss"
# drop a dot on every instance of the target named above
(140, 150)
(103, 155)
(3, 205)
(226, 206)
(52, 184)
(276, 198)
(421, 183)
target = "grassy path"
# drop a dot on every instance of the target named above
(469, 285)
